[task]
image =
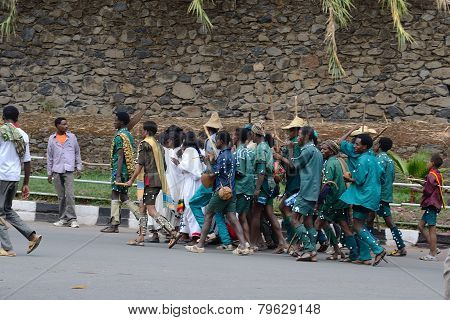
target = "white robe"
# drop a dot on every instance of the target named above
(191, 168)
(174, 180)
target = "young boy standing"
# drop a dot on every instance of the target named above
(387, 181)
(432, 201)
(245, 178)
(364, 195)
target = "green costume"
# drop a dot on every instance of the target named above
(264, 165)
(333, 176)
(333, 209)
(387, 177)
(387, 190)
(366, 190)
(292, 173)
(122, 140)
(292, 182)
(245, 178)
(364, 194)
(309, 163)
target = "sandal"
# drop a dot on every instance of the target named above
(323, 247)
(33, 244)
(336, 256)
(308, 256)
(4, 253)
(174, 240)
(362, 262)
(195, 249)
(135, 242)
(428, 257)
(379, 257)
(239, 251)
(279, 249)
(397, 253)
(347, 260)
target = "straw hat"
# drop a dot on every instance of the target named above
(360, 131)
(214, 121)
(296, 123)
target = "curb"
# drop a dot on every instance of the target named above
(31, 211)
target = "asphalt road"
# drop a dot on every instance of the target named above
(109, 269)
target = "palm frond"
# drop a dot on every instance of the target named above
(7, 26)
(417, 165)
(196, 7)
(338, 16)
(443, 5)
(399, 8)
(400, 163)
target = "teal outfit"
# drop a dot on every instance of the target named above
(292, 173)
(117, 144)
(264, 165)
(387, 177)
(387, 190)
(366, 190)
(333, 176)
(245, 178)
(221, 206)
(309, 163)
(292, 183)
(201, 199)
(430, 215)
(364, 194)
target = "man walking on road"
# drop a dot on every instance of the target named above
(63, 158)
(14, 149)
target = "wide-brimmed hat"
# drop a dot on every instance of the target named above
(258, 128)
(296, 123)
(360, 131)
(214, 121)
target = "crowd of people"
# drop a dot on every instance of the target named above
(215, 186)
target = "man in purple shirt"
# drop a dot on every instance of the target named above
(63, 158)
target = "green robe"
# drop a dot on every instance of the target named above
(332, 171)
(292, 173)
(264, 165)
(245, 170)
(116, 146)
(348, 149)
(309, 163)
(366, 190)
(387, 177)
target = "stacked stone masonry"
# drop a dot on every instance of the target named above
(72, 56)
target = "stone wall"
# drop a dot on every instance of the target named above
(72, 56)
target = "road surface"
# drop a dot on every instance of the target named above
(109, 269)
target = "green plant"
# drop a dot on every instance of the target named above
(415, 167)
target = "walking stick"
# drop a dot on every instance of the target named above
(306, 113)
(363, 120)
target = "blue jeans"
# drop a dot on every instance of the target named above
(201, 199)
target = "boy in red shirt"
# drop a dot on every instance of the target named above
(432, 201)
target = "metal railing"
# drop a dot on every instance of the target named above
(396, 184)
